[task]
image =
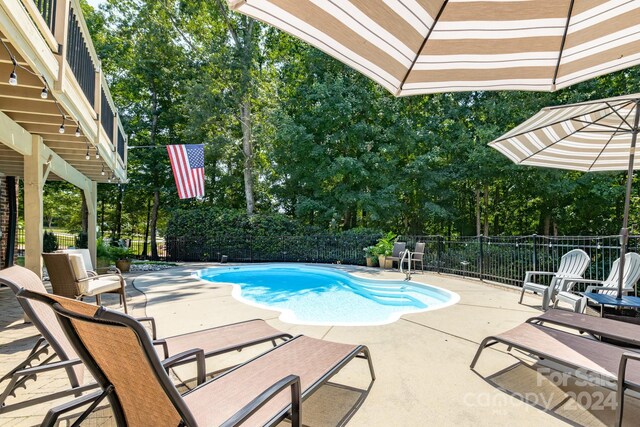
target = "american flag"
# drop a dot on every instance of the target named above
(187, 162)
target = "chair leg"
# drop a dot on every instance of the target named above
(521, 295)
(123, 297)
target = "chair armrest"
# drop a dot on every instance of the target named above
(528, 276)
(48, 367)
(249, 409)
(600, 288)
(623, 366)
(153, 325)
(112, 269)
(165, 347)
(198, 353)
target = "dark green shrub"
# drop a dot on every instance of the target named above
(49, 242)
(82, 241)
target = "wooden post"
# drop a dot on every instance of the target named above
(91, 197)
(62, 28)
(33, 187)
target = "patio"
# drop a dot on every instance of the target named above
(421, 361)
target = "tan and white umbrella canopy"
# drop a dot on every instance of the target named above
(425, 46)
(590, 136)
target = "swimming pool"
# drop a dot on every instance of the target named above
(312, 295)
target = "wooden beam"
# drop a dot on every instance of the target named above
(63, 169)
(33, 206)
(91, 197)
(29, 106)
(24, 35)
(24, 92)
(24, 78)
(38, 119)
(14, 136)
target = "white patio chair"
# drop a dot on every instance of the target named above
(573, 264)
(608, 286)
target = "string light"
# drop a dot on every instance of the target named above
(13, 77)
(102, 171)
(87, 156)
(45, 93)
(78, 133)
(61, 129)
(97, 154)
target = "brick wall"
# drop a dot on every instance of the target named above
(4, 219)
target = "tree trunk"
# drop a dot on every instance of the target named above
(247, 149)
(486, 210)
(496, 217)
(145, 247)
(547, 224)
(85, 215)
(478, 217)
(154, 221)
(118, 224)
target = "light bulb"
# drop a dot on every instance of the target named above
(78, 132)
(97, 154)
(88, 156)
(102, 171)
(44, 94)
(13, 78)
(61, 130)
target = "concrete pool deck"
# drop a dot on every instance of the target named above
(421, 361)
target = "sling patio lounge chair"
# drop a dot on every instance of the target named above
(609, 286)
(573, 264)
(53, 342)
(588, 356)
(599, 327)
(122, 358)
(69, 278)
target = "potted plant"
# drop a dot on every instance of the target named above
(384, 248)
(121, 256)
(371, 254)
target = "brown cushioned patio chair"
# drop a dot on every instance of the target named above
(397, 252)
(586, 355)
(417, 256)
(69, 278)
(122, 358)
(54, 342)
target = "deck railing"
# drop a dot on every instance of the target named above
(107, 115)
(47, 9)
(63, 26)
(79, 56)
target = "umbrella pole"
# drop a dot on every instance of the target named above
(624, 232)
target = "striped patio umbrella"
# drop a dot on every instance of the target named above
(425, 46)
(589, 136)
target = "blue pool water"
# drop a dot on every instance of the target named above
(315, 295)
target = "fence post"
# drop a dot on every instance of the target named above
(535, 252)
(481, 263)
(439, 245)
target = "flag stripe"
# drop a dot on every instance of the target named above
(187, 163)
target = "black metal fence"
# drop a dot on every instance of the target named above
(64, 240)
(107, 115)
(503, 259)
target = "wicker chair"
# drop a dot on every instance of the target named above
(70, 278)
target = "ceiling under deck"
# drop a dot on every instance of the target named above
(24, 105)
